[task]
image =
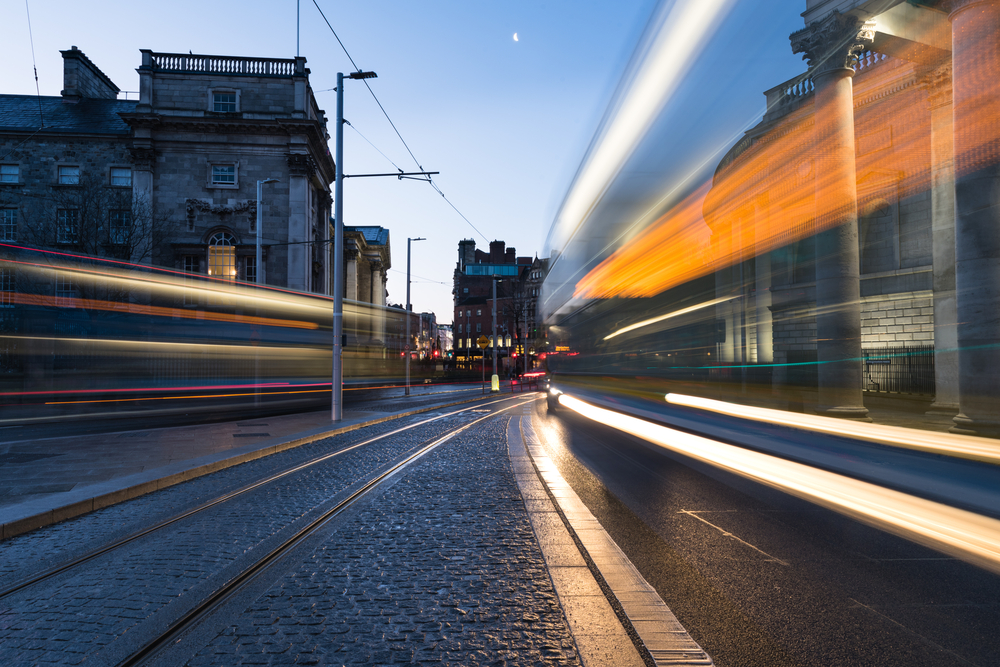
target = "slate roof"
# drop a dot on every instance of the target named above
(89, 116)
(373, 235)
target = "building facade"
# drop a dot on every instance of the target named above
(869, 189)
(171, 178)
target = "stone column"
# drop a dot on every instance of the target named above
(351, 255)
(299, 263)
(937, 82)
(832, 46)
(975, 25)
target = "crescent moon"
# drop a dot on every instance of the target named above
(515, 37)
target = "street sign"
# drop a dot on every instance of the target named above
(483, 342)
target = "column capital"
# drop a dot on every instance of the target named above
(937, 82)
(833, 43)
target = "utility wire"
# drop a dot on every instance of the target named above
(348, 123)
(34, 66)
(395, 129)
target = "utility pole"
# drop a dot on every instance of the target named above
(495, 380)
(337, 386)
(409, 307)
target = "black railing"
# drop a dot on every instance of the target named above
(900, 369)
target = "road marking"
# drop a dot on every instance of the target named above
(728, 534)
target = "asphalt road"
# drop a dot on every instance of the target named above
(760, 578)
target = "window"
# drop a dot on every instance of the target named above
(222, 256)
(190, 263)
(223, 174)
(479, 311)
(465, 290)
(9, 173)
(224, 102)
(479, 327)
(121, 177)
(8, 224)
(250, 269)
(65, 290)
(118, 226)
(69, 175)
(459, 328)
(67, 225)
(6, 288)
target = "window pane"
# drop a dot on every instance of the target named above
(69, 175)
(8, 224)
(224, 102)
(121, 176)
(6, 288)
(250, 273)
(119, 224)
(222, 257)
(224, 175)
(8, 173)
(67, 227)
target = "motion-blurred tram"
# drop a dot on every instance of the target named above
(810, 236)
(81, 335)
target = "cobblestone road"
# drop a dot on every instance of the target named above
(442, 567)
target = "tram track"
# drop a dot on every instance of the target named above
(67, 566)
(227, 591)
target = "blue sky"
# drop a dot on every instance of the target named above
(505, 122)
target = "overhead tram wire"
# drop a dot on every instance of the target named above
(34, 66)
(430, 181)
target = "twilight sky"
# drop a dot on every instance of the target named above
(504, 122)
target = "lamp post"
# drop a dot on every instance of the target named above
(495, 380)
(336, 384)
(409, 307)
(260, 224)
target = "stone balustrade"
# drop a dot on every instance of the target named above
(227, 65)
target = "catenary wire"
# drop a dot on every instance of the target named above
(34, 66)
(395, 129)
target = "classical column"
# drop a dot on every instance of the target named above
(832, 46)
(351, 255)
(299, 254)
(937, 82)
(975, 25)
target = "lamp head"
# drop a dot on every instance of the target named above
(362, 75)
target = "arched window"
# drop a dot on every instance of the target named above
(222, 256)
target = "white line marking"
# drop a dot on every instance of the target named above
(728, 534)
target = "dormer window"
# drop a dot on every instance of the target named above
(225, 101)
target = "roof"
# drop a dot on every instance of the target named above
(374, 235)
(88, 115)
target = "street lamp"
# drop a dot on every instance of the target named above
(409, 307)
(495, 380)
(260, 224)
(336, 386)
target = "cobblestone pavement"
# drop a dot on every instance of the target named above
(105, 609)
(441, 567)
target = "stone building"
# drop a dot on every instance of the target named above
(182, 162)
(869, 191)
(368, 260)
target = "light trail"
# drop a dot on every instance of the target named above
(676, 313)
(965, 535)
(985, 450)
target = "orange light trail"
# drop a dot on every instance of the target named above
(775, 193)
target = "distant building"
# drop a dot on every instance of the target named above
(518, 284)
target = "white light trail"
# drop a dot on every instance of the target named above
(965, 535)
